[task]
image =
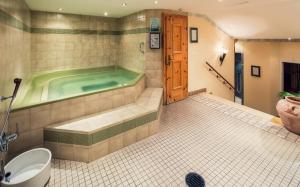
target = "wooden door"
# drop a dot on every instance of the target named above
(175, 57)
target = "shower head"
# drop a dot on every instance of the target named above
(17, 81)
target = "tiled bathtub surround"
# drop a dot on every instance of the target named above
(14, 46)
(195, 136)
(63, 41)
(130, 55)
(151, 58)
(33, 120)
(91, 137)
(59, 41)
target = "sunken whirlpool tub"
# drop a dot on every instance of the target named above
(52, 97)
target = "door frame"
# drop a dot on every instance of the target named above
(243, 77)
(164, 56)
(282, 71)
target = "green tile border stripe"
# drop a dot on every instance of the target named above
(87, 31)
(11, 21)
(135, 31)
(90, 139)
(72, 31)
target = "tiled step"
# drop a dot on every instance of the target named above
(94, 136)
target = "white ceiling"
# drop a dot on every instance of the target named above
(249, 19)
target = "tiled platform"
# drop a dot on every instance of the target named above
(94, 136)
(229, 145)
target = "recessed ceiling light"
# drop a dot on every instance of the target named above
(105, 14)
(60, 9)
(289, 38)
(124, 4)
(155, 2)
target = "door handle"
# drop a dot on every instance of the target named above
(170, 59)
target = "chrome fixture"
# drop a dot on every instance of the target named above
(142, 47)
(5, 138)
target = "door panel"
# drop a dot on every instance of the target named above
(177, 40)
(177, 75)
(176, 57)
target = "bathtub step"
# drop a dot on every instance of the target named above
(94, 136)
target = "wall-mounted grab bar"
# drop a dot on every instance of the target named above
(219, 76)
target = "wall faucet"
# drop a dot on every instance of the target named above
(4, 137)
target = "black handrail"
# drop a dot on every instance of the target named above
(225, 81)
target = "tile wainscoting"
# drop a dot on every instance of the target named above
(94, 136)
(32, 120)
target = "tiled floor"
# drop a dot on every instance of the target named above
(228, 145)
(238, 100)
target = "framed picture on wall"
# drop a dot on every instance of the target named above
(194, 35)
(154, 40)
(255, 71)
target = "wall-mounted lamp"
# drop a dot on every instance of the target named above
(223, 55)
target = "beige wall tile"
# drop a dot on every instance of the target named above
(118, 100)
(59, 114)
(94, 50)
(77, 110)
(153, 127)
(39, 119)
(66, 152)
(13, 41)
(37, 137)
(129, 137)
(81, 153)
(99, 150)
(107, 103)
(115, 143)
(92, 106)
(22, 118)
(142, 132)
(21, 144)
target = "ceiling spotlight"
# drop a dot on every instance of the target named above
(105, 14)
(60, 9)
(155, 2)
(289, 38)
(124, 4)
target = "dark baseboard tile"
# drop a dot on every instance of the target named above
(195, 92)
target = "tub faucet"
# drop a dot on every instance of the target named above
(5, 138)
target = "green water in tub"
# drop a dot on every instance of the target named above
(60, 85)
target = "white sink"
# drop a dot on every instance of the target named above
(30, 169)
